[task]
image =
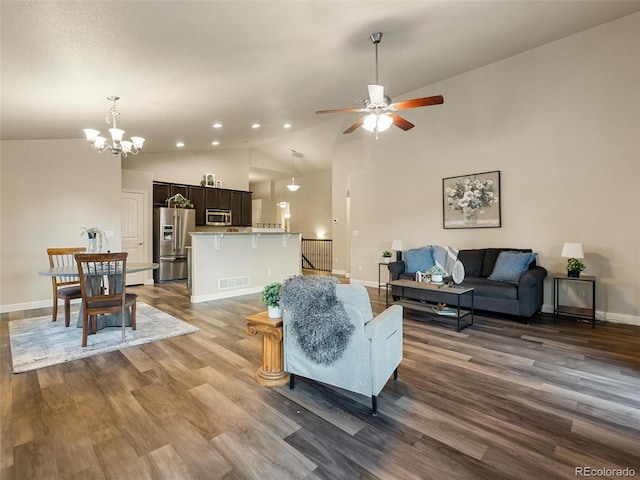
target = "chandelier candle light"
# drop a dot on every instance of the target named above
(118, 146)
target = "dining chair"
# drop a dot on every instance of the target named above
(65, 288)
(103, 285)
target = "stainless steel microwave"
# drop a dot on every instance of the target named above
(218, 217)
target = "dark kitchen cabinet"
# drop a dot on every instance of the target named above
(241, 208)
(239, 202)
(211, 198)
(224, 199)
(161, 191)
(246, 209)
(197, 197)
(181, 189)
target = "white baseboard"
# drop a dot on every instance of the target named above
(16, 307)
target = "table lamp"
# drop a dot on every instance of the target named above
(398, 246)
(573, 251)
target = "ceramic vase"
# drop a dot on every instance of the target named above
(92, 244)
(274, 312)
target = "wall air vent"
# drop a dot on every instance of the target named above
(233, 282)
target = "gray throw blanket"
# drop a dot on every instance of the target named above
(319, 322)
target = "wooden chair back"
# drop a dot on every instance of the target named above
(103, 279)
(65, 288)
(63, 257)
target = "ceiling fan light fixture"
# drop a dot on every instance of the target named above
(374, 121)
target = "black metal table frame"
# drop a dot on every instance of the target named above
(458, 295)
(557, 309)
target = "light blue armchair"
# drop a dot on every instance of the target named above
(373, 353)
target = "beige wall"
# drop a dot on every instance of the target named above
(50, 190)
(560, 122)
(230, 166)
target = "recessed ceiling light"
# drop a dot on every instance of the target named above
(180, 144)
(217, 125)
(287, 125)
(215, 142)
(255, 125)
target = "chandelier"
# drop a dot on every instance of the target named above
(118, 145)
(293, 187)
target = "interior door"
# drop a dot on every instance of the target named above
(133, 241)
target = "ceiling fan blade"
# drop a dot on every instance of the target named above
(417, 102)
(398, 121)
(355, 126)
(342, 110)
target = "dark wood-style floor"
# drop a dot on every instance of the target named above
(499, 400)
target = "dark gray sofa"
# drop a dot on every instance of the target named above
(523, 299)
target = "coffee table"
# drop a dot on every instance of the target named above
(414, 304)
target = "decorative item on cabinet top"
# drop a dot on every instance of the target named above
(208, 180)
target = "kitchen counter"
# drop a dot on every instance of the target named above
(229, 264)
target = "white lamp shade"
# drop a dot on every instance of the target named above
(91, 134)
(369, 122)
(137, 142)
(116, 134)
(397, 245)
(572, 250)
(126, 146)
(99, 142)
(384, 122)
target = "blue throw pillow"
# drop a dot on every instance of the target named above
(510, 265)
(418, 260)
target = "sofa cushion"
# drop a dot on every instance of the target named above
(418, 260)
(491, 255)
(483, 287)
(510, 265)
(472, 261)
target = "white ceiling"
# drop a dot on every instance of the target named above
(180, 66)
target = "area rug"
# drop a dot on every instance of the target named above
(39, 342)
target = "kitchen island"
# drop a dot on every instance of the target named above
(229, 264)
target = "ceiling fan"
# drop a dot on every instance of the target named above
(380, 112)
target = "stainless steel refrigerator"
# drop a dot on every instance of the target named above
(171, 227)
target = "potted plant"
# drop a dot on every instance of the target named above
(271, 298)
(437, 274)
(94, 234)
(574, 267)
(387, 256)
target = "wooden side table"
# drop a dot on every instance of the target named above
(271, 373)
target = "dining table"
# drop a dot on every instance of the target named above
(112, 320)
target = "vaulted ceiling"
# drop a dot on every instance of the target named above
(180, 66)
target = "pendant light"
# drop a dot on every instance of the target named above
(293, 187)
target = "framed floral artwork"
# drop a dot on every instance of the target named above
(471, 201)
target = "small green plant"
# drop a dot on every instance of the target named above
(436, 270)
(271, 294)
(575, 265)
(386, 254)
